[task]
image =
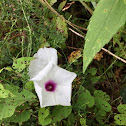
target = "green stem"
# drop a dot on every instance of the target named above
(30, 43)
(87, 7)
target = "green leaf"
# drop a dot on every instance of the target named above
(103, 105)
(92, 71)
(5, 93)
(122, 108)
(60, 112)
(62, 4)
(21, 63)
(102, 112)
(124, 1)
(51, 2)
(71, 120)
(102, 95)
(100, 119)
(8, 105)
(84, 99)
(43, 117)
(107, 18)
(120, 119)
(20, 116)
(95, 79)
(29, 85)
(83, 122)
(6, 68)
(1, 70)
(61, 26)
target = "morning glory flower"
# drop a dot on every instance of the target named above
(55, 88)
(45, 58)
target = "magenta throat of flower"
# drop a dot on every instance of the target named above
(50, 86)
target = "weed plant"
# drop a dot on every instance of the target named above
(98, 95)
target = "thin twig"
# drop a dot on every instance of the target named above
(101, 48)
(73, 48)
(114, 55)
(76, 33)
(53, 10)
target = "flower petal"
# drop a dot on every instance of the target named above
(63, 95)
(43, 73)
(48, 99)
(38, 90)
(64, 77)
(43, 58)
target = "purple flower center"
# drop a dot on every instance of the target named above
(50, 86)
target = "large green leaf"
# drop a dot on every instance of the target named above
(108, 17)
(8, 105)
(60, 112)
(122, 108)
(120, 119)
(84, 99)
(44, 117)
(21, 115)
(21, 63)
(5, 93)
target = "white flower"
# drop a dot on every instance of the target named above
(54, 88)
(45, 58)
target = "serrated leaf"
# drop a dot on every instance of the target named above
(120, 119)
(8, 105)
(122, 108)
(21, 63)
(107, 18)
(60, 112)
(5, 93)
(84, 99)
